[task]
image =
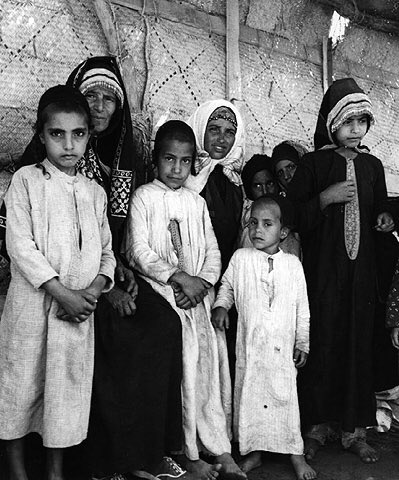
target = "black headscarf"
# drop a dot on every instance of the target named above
(255, 164)
(343, 99)
(113, 148)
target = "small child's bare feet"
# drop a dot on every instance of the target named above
(366, 453)
(302, 469)
(251, 461)
(199, 468)
(312, 446)
(230, 470)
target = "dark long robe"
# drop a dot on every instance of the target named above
(337, 382)
(136, 412)
(224, 201)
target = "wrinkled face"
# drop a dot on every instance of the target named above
(285, 170)
(263, 183)
(219, 138)
(65, 136)
(352, 131)
(174, 162)
(102, 103)
(265, 229)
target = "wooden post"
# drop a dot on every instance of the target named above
(128, 70)
(140, 120)
(327, 63)
(233, 69)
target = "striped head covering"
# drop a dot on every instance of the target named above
(343, 99)
(102, 77)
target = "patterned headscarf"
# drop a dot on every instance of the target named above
(110, 157)
(112, 153)
(343, 99)
(204, 165)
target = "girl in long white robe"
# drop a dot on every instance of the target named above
(46, 364)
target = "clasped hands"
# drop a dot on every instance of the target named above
(189, 290)
(122, 296)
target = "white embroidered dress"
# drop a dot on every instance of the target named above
(46, 364)
(273, 319)
(206, 382)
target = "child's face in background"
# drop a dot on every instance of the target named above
(174, 162)
(285, 170)
(265, 229)
(262, 184)
(219, 138)
(65, 136)
(351, 133)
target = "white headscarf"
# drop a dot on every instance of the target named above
(232, 163)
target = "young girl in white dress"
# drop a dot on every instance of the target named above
(59, 243)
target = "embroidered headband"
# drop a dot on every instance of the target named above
(349, 106)
(101, 77)
(224, 113)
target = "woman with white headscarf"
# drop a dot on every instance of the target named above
(220, 136)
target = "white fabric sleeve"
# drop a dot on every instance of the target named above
(137, 249)
(21, 246)
(212, 266)
(302, 312)
(225, 296)
(108, 262)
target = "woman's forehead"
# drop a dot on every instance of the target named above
(223, 113)
(101, 89)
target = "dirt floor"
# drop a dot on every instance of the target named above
(331, 463)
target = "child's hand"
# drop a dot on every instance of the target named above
(195, 288)
(77, 304)
(182, 301)
(395, 337)
(341, 192)
(220, 318)
(385, 223)
(300, 358)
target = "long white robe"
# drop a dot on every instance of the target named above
(206, 390)
(273, 319)
(46, 364)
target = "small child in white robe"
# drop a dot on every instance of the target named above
(171, 243)
(268, 289)
(60, 247)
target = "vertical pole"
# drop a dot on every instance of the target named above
(233, 69)
(128, 70)
(327, 63)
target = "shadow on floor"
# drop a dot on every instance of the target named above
(331, 463)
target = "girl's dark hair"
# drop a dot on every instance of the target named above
(61, 98)
(287, 217)
(174, 130)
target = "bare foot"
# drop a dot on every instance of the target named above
(251, 461)
(302, 469)
(199, 468)
(230, 470)
(312, 446)
(366, 453)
